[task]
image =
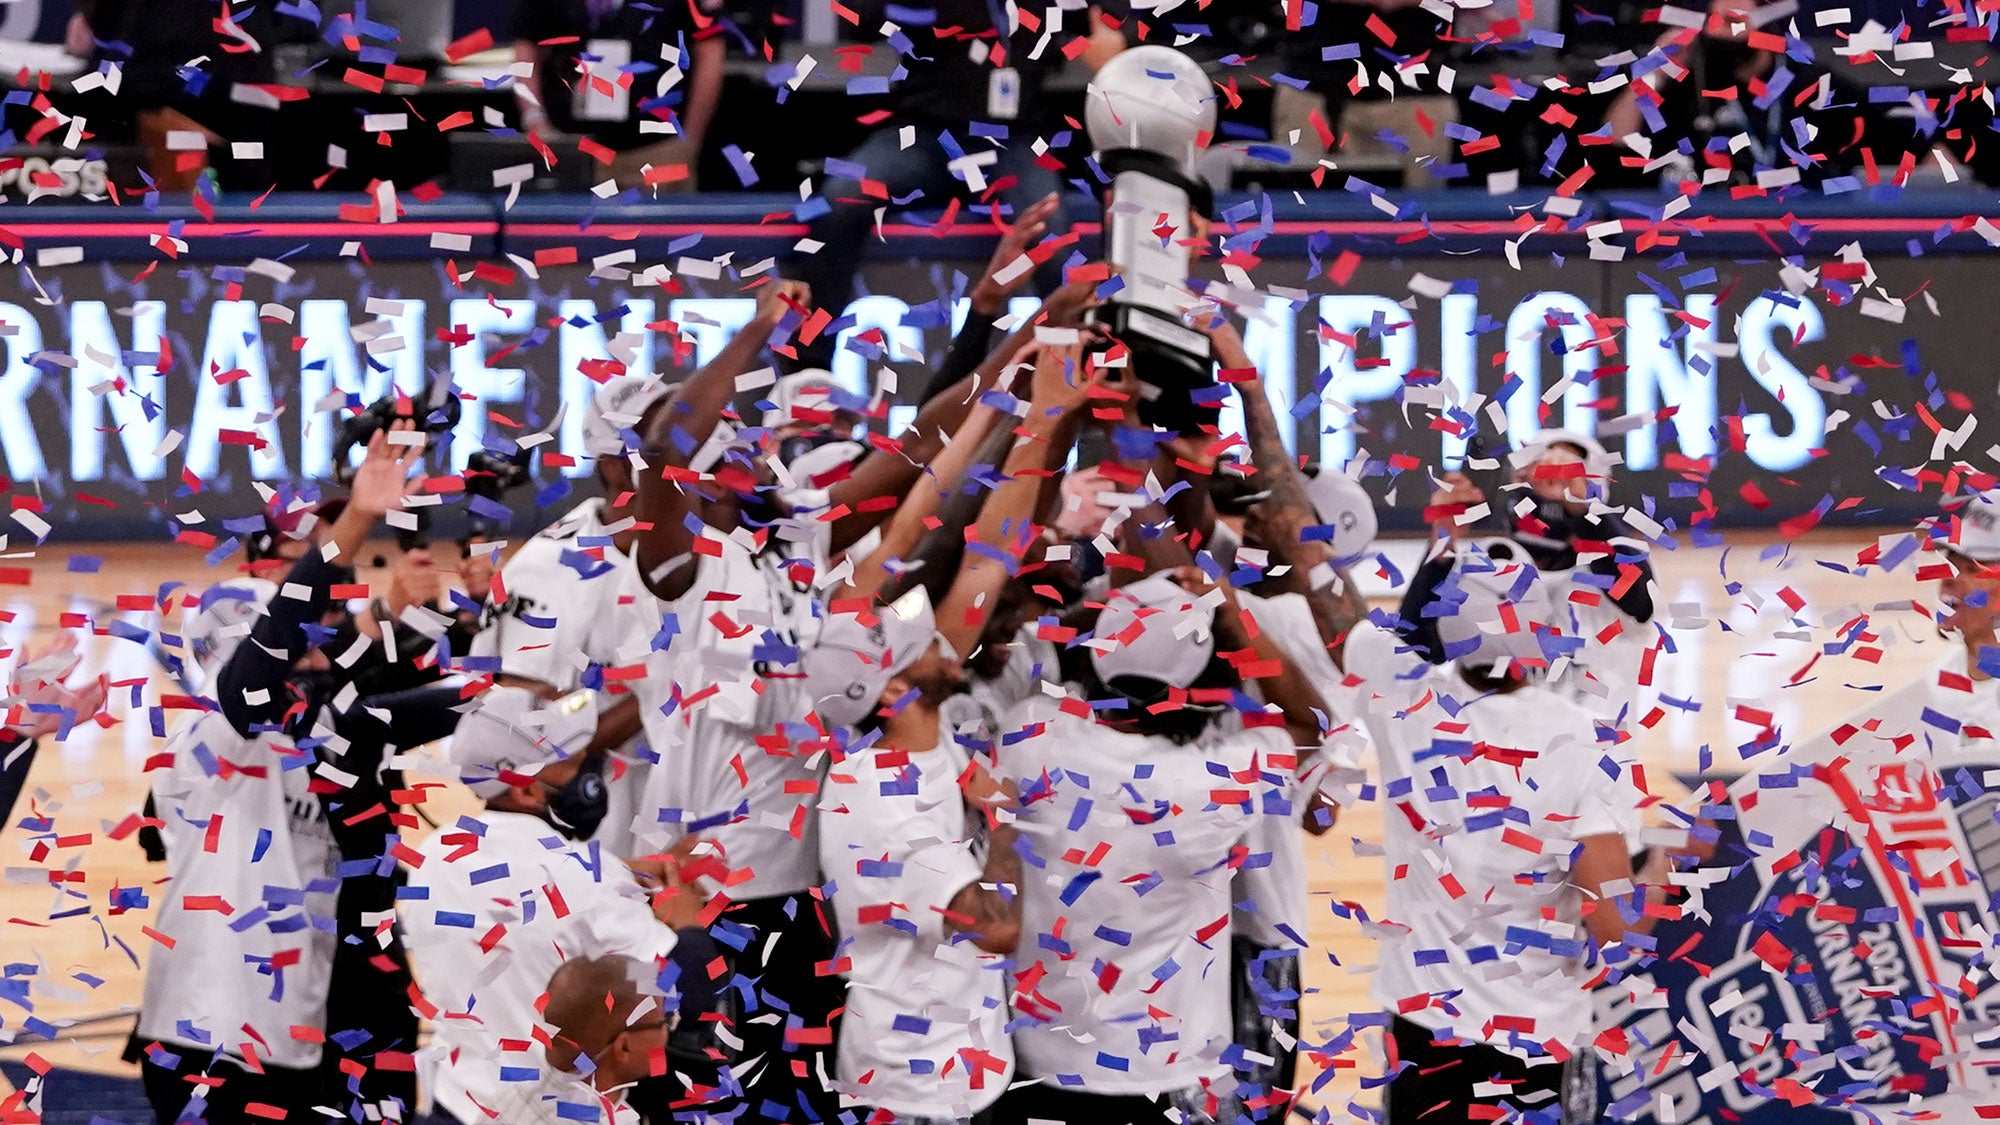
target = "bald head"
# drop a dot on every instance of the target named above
(592, 1001)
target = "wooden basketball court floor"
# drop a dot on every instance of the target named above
(1729, 611)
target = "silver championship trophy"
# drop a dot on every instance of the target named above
(1151, 110)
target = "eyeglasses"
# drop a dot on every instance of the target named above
(665, 1023)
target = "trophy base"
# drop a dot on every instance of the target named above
(1172, 361)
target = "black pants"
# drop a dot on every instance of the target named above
(167, 1074)
(1438, 1082)
(1264, 998)
(782, 1000)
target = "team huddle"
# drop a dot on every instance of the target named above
(965, 773)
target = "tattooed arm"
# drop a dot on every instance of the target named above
(1281, 520)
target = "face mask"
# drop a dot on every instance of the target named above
(579, 805)
(316, 686)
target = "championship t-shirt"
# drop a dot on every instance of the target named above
(1140, 847)
(495, 905)
(561, 587)
(726, 712)
(1486, 798)
(925, 1031)
(253, 875)
(562, 592)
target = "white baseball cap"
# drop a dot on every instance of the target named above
(812, 389)
(616, 407)
(1496, 605)
(223, 616)
(1978, 536)
(1339, 502)
(1597, 460)
(1154, 630)
(823, 459)
(514, 733)
(854, 660)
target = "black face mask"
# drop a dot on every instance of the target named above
(578, 806)
(759, 509)
(1555, 547)
(315, 686)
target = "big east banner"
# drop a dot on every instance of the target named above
(1839, 966)
(1733, 392)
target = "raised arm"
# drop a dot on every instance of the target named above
(936, 556)
(990, 909)
(667, 504)
(1284, 516)
(1603, 870)
(250, 688)
(886, 472)
(927, 501)
(1061, 387)
(989, 295)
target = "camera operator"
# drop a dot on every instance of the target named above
(277, 685)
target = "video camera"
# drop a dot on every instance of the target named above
(489, 474)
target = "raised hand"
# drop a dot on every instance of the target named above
(1059, 384)
(1066, 307)
(383, 479)
(1454, 494)
(37, 694)
(779, 297)
(990, 295)
(1227, 344)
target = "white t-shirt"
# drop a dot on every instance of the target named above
(561, 1098)
(1605, 678)
(1481, 791)
(497, 904)
(1125, 936)
(553, 624)
(558, 598)
(725, 711)
(1031, 662)
(250, 910)
(1287, 619)
(1978, 708)
(925, 1030)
